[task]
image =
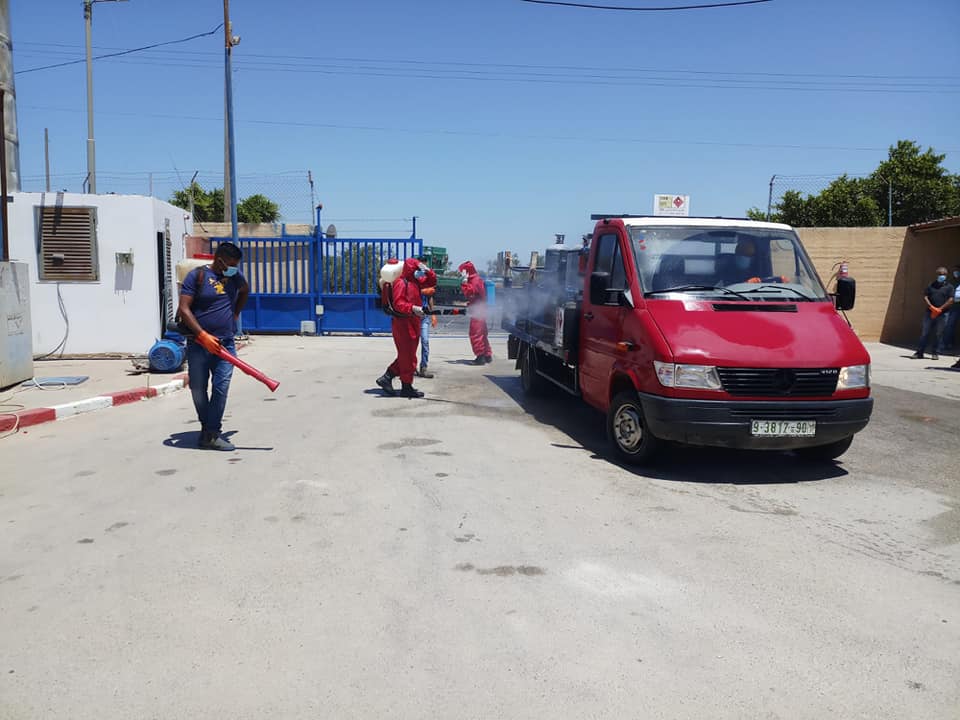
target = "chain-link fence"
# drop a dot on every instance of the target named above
(291, 191)
(793, 196)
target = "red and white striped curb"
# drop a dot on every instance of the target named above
(36, 416)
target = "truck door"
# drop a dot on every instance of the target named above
(602, 324)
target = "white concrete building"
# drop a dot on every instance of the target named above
(101, 268)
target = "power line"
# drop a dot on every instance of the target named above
(665, 82)
(123, 52)
(647, 9)
(515, 66)
(480, 134)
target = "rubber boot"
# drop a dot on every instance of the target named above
(409, 391)
(479, 360)
(385, 382)
(424, 373)
(488, 359)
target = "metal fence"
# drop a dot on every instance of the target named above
(291, 190)
(813, 185)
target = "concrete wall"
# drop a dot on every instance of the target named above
(874, 255)
(120, 312)
(250, 230)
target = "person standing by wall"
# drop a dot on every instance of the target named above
(953, 315)
(408, 304)
(938, 297)
(211, 299)
(476, 294)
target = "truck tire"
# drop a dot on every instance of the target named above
(531, 383)
(631, 440)
(826, 452)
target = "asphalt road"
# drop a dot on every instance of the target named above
(471, 555)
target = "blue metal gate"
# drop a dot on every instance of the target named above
(329, 280)
(348, 289)
(283, 276)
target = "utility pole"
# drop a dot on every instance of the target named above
(91, 149)
(230, 181)
(4, 230)
(770, 197)
(46, 155)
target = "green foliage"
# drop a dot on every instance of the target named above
(257, 209)
(208, 206)
(922, 190)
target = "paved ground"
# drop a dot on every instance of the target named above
(472, 555)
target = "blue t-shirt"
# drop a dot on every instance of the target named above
(214, 301)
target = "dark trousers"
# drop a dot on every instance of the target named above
(932, 330)
(204, 367)
(950, 327)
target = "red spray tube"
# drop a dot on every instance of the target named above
(211, 345)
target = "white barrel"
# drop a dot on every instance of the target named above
(390, 273)
(187, 265)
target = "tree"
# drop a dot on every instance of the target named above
(922, 189)
(208, 206)
(258, 209)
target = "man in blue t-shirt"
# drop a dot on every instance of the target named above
(211, 299)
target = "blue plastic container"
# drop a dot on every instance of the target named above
(167, 356)
(491, 292)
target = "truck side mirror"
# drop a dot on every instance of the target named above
(846, 293)
(599, 285)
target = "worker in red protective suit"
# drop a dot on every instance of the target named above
(408, 305)
(476, 293)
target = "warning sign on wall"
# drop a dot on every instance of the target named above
(671, 205)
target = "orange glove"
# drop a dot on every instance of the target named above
(428, 291)
(208, 342)
(433, 321)
(753, 280)
(935, 313)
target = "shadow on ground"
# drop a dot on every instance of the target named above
(190, 441)
(681, 463)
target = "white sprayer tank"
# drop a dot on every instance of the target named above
(390, 272)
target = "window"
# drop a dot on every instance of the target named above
(618, 278)
(67, 244)
(606, 247)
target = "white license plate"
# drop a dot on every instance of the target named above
(783, 428)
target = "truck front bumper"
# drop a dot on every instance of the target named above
(727, 423)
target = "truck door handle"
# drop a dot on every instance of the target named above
(588, 316)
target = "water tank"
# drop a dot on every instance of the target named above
(166, 356)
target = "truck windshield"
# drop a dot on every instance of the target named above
(724, 262)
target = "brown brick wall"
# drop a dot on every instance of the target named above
(874, 256)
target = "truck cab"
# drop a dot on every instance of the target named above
(705, 331)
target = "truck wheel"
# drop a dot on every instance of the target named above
(531, 383)
(826, 452)
(627, 430)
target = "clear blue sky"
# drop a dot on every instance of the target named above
(497, 122)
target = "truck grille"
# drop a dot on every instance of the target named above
(779, 382)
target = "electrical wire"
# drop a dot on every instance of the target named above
(62, 346)
(511, 66)
(123, 52)
(647, 9)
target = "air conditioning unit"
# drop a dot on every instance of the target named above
(16, 336)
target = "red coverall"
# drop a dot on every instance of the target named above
(476, 294)
(406, 330)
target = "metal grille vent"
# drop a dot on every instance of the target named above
(68, 244)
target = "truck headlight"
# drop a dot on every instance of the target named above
(854, 377)
(698, 377)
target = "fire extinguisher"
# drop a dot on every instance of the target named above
(844, 270)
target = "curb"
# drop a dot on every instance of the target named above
(36, 416)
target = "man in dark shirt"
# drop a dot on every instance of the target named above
(211, 299)
(938, 297)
